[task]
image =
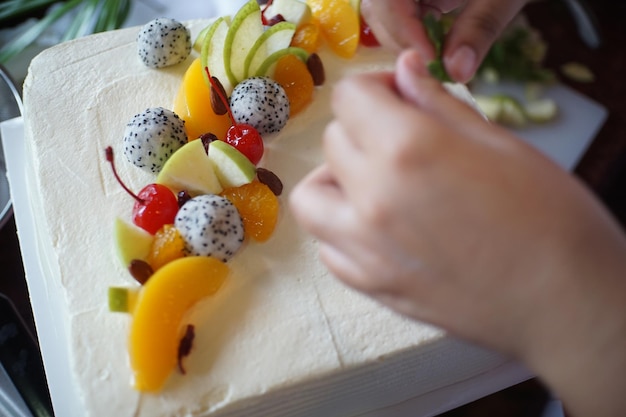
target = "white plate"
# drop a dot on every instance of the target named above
(567, 137)
(10, 107)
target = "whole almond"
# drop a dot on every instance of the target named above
(217, 103)
(316, 69)
(270, 179)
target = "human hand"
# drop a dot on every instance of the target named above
(447, 219)
(397, 24)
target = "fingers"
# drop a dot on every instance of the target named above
(473, 33)
(417, 87)
(317, 203)
(397, 25)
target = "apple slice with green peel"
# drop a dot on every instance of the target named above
(274, 39)
(243, 32)
(190, 169)
(231, 166)
(294, 11)
(197, 44)
(212, 54)
(132, 242)
(159, 313)
(122, 300)
(266, 69)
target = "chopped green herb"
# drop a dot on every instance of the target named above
(436, 33)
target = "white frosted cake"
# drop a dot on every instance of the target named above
(282, 337)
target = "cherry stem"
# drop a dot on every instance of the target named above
(109, 156)
(267, 5)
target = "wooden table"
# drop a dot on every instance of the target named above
(603, 167)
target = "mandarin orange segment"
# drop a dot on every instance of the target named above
(294, 76)
(193, 105)
(340, 25)
(258, 207)
(167, 246)
(155, 330)
(307, 37)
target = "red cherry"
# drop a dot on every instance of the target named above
(243, 137)
(155, 206)
(367, 36)
(247, 140)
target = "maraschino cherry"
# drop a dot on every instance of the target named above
(243, 137)
(367, 36)
(155, 205)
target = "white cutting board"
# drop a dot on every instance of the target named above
(566, 138)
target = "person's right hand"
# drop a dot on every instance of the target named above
(397, 24)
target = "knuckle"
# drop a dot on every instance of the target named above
(487, 24)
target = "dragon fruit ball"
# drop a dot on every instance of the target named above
(210, 226)
(152, 136)
(260, 102)
(163, 42)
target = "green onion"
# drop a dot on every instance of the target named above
(436, 33)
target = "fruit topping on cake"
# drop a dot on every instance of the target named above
(262, 103)
(242, 135)
(167, 246)
(339, 23)
(258, 206)
(155, 205)
(190, 169)
(232, 167)
(210, 194)
(155, 331)
(191, 105)
(152, 136)
(163, 42)
(211, 226)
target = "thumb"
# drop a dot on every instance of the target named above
(474, 31)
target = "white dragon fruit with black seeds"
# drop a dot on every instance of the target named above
(260, 102)
(163, 42)
(210, 226)
(152, 136)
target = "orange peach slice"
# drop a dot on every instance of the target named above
(193, 105)
(155, 331)
(340, 25)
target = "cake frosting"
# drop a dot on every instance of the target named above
(282, 337)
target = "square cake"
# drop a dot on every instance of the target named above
(281, 337)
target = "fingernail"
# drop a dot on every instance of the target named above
(462, 63)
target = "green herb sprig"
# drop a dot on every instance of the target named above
(91, 16)
(436, 32)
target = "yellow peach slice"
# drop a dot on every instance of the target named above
(339, 23)
(193, 105)
(155, 331)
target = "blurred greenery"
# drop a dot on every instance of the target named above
(88, 16)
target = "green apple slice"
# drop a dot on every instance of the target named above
(122, 300)
(212, 55)
(232, 168)
(189, 169)
(244, 30)
(273, 39)
(197, 44)
(132, 242)
(266, 69)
